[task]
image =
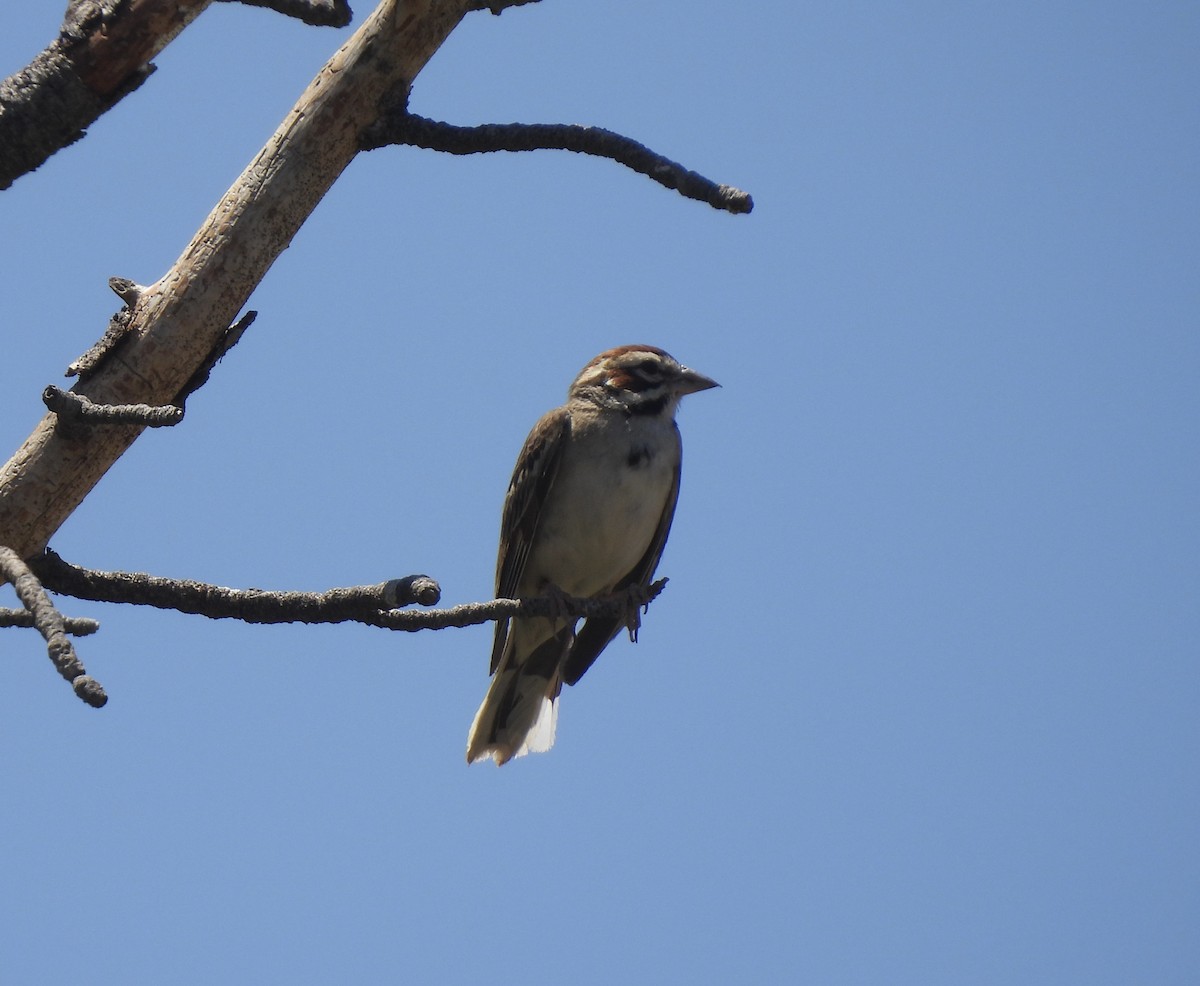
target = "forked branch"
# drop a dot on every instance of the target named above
(51, 625)
(171, 333)
(76, 626)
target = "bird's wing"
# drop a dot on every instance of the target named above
(532, 478)
(598, 632)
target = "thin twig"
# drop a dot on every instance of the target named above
(550, 605)
(50, 624)
(402, 127)
(76, 626)
(496, 6)
(75, 409)
(318, 13)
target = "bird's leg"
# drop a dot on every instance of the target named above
(637, 597)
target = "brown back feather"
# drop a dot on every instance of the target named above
(533, 475)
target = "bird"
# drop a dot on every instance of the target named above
(587, 513)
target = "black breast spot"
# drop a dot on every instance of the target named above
(639, 455)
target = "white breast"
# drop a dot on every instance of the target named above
(605, 505)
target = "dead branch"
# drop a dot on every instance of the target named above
(318, 13)
(376, 605)
(233, 335)
(550, 605)
(403, 127)
(50, 624)
(497, 6)
(172, 333)
(76, 626)
(359, 604)
(103, 52)
(178, 322)
(115, 332)
(73, 409)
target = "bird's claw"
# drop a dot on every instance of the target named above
(637, 599)
(560, 603)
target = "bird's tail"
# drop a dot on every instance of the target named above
(520, 711)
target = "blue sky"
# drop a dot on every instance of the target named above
(919, 704)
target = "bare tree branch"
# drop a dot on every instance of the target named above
(179, 325)
(497, 6)
(103, 53)
(358, 603)
(77, 626)
(377, 605)
(170, 334)
(73, 409)
(178, 322)
(407, 128)
(49, 623)
(623, 604)
(318, 13)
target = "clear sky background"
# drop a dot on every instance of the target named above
(920, 702)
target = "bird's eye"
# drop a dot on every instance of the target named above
(649, 368)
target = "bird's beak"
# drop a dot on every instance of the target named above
(691, 382)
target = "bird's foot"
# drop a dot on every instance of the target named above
(561, 604)
(637, 599)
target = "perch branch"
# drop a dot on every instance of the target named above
(403, 127)
(376, 605)
(358, 603)
(550, 605)
(50, 624)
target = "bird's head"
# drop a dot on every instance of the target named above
(638, 380)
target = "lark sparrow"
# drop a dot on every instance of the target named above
(587, 513)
